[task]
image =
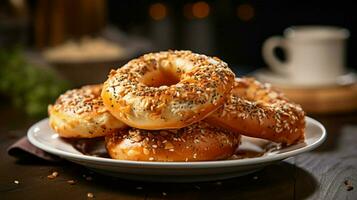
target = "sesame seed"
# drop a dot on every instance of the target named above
(146, 151)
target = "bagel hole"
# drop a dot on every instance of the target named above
(160, 77)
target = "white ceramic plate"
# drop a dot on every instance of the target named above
(266, 75)
(42, 136)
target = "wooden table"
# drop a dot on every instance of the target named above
(321, 174)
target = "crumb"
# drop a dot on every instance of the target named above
(139, 188)
(53, 175)
(197, 187)
(71, 182)
(255, 177)
(164, 193)
(348, 185)
(90, 195)
(16, 182)
(89, 178)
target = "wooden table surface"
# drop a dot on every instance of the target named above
(321, 174)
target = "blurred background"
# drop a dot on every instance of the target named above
(48, 46)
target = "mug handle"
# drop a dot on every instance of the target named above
(269, 56)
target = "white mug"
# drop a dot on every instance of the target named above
(314, 54)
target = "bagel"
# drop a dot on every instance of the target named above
(256, 110)
(167, 90)
(197, 142)
(80, 113)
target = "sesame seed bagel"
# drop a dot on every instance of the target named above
(80, 113)
(197, 142)
(256, 110)
(167, 90)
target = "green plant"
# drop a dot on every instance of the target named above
(28, 87)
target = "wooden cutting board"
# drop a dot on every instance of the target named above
(334, 99)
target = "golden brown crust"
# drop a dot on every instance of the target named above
(80, 113)
(137, 95)
(256, 110)
(197, 142)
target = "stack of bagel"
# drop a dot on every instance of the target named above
(176, 106)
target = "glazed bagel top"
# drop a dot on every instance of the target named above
(81, 102)
(80, 113)
(256, 110)
(256, 93)
(197, 142)
(167, 90)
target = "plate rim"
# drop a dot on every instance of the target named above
(197, 164)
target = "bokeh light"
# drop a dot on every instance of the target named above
(157, 11)
(245, 12)
(200, 9)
